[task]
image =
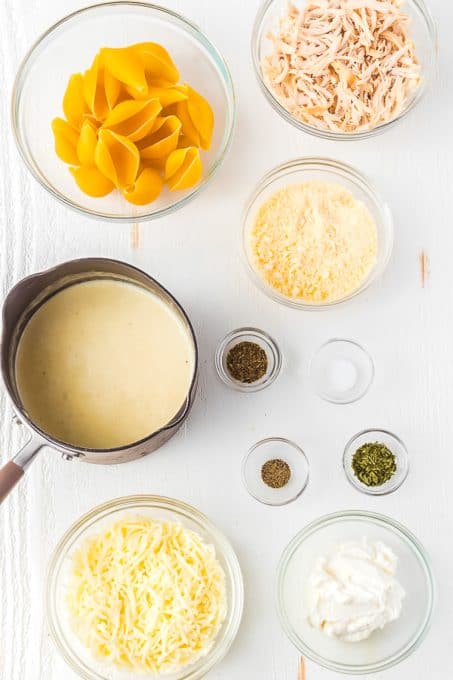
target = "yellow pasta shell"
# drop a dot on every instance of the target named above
(91, 181)
(146, 188)
(162, 140)
(133, 119)
(188, 128)
(86, 144)
(125, 64)
(183, 168)
(74, 105)
(117, 158)
(112, 88)
(157, 61)
(94, 90)
(202, 116)
(66, 138)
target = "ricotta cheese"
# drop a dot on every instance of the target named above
(313, 242)
(353, 591)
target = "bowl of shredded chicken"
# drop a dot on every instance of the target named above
(144, 586)
(344, 68)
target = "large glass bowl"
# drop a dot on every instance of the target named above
(423, 32)
(384, 648)
(74, 653)
(69, 47)
(322, 170)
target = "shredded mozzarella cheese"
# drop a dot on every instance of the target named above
(147, 595)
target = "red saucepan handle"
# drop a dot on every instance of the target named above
(9, 476)
(14, 470)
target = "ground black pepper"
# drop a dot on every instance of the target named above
(276, 473)
(247, 362)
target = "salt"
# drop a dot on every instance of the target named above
(343, 375)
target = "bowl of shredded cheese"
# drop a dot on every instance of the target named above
(344, 69)
(316, 233)
(143, 586)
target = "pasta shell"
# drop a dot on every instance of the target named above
(157, 61)
(168, 95)
(163, 139)
(183, 168)
(202, 116)
(124, 63)
(94, 90)
(91, 181)
(188, 128)
(133, 119)
(146, 188)
(117, 158)
(66, 138)
(112, 88)
(86, 144)
(74, 105)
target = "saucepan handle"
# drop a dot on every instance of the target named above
(14, 470)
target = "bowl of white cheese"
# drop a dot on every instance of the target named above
(355, 592)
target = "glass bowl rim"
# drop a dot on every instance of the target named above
(282, 440)
(431, 27)
(266, 339)
(376, 491)
(201, 38)
(357, 178)
(89, 519)
(364, 351)
(424, 561)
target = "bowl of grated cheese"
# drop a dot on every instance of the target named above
(344, 69)
(143, 586)
(316, 233)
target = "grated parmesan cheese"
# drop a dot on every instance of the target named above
(313, 242)
(146, 595)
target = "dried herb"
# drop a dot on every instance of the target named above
(276, 473)
(374, 464)
(246, 362)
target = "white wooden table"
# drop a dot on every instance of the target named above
(407, 328)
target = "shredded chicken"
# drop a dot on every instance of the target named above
(343, 65)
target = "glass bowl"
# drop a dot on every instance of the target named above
(274, 358)
(341, 371)
(280, 449)
(384, 648)
(69, 47)
(395, 445)
(76, 656)
(323, 170)
(423, 31)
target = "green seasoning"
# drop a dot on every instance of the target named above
(247, 362)
(374, 464)
(276, 473)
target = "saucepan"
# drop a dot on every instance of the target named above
(21, 303)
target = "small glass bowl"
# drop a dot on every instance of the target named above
(69, 47)
(341, 371)
(423, 31)
(385, 648)
(270, 449)
(76, 656)
(395, 445)
(323, 170)
(268, 344)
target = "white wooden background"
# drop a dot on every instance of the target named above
(196, 253)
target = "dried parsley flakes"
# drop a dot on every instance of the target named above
(374, 464)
